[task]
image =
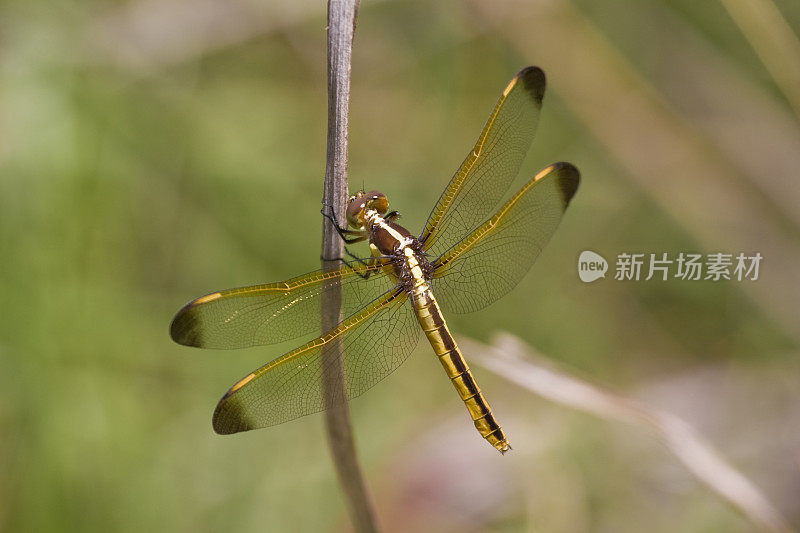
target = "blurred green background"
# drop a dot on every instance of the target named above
(154, 150)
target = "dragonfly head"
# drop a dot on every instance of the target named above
(361, 202)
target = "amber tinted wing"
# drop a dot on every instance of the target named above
(490, 167)
(275, 312)
(491, 261)
(375, 341)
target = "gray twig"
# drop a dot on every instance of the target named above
(341, 27)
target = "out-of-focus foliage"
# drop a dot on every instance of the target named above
(154, 150)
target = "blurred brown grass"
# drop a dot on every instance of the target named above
(151, 151)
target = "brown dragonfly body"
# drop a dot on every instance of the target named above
(465, 256)
(413, 272)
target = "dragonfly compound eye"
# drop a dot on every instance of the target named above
(355, 209)
(377, 200)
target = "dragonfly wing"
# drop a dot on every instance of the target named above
(491, 166)
(275, 312)
(493, 258)
(375, 341)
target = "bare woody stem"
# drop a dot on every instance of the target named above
(341, 27)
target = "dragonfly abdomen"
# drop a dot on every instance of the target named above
(455, 366)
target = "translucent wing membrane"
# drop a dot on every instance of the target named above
(490, 167)
(491, 260)
(275, 312)
(375, 341)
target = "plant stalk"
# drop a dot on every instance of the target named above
(341, 27)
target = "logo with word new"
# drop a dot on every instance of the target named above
(591, 266)
(715, 266)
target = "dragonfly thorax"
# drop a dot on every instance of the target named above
(389, 239)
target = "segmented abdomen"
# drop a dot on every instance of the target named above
(435, 328)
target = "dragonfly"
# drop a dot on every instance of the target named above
(464, 259)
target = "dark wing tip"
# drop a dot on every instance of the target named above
(183, 330)
(568, 180)
(228, 417)
(534, 81)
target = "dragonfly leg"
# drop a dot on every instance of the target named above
(352, 240)
(328, 212)
(344, 233)
(363, 275)
(391, 217)
(361, 260)
(351, 255)
(369, 262)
